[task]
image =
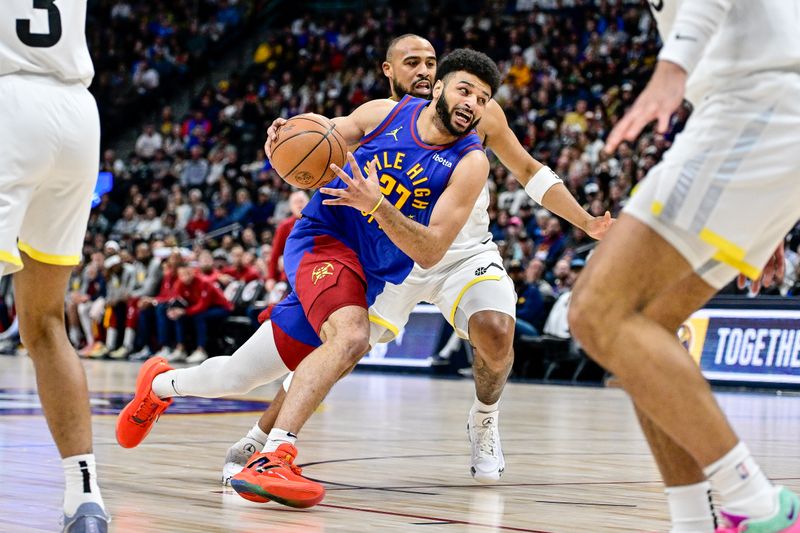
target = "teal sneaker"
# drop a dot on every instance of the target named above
(785, 520)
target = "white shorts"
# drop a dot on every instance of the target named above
(459, 290)
(728, 190)
(49, 155)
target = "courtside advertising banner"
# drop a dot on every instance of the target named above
(745, 345)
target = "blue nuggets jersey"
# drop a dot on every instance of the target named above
(412, 175)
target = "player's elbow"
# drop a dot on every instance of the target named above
(430, 259)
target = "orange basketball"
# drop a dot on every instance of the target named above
(304, 149)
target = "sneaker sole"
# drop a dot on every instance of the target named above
(257, 493)
(230, 470)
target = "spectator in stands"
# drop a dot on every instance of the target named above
(240, 268)
(153, 312)
(120, 283)
(195, 170)
(91, 305)
(243, 209)
(147, 276)
(149, 224)
(198, 303)
(148, 142)
(275, 273)
(199, 224)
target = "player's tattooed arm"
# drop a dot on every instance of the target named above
(426, 245)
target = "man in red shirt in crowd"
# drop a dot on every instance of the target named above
(154, 310)
(197, 302)
(238, 270)
(297, 201)
(206, 268)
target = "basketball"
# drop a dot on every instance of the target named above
(304, 149)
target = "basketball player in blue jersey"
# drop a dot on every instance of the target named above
(469, 285)
(354, 237)
(50, 146)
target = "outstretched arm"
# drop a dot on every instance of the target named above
(426, 245)
(539, 181)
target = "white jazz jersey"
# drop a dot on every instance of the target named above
(755, 36)
(45, 37)
(473, 238)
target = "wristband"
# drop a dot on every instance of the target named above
(541, 182)
(376, 205)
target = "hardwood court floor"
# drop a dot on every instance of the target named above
(393, 455)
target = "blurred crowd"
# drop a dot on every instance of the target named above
(143, 50)
(193, 230)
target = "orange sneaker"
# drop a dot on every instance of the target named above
(274, 476)
(136, 420)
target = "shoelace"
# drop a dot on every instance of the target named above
(149, 408)
(285, 460)
(487, 437)
(288, 460)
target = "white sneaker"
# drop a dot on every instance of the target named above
(177, 356)
(164, 352)
(237, 457)
(120, 353)
(488, 462)
(142, 355)
(197, 356)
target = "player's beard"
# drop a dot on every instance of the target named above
(401, 91)
(445, 114)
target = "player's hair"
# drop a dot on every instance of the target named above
(393, 44)
(476, 63)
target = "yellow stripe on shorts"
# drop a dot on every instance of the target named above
(50, 259)
(465, 289)
(8, 257)
(385, 323)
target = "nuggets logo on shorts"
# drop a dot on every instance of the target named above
(321, 271)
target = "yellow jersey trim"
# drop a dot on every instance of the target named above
(747, 269)
(465, 289)
(385, 323)
(50, 259)
(723, 245)
(8, 257)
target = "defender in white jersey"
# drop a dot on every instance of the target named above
(469, 285)
(50, 134)
(715, 206)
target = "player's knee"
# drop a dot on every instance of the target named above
(588, 324)
(492, 334)
(356, 343)
(40, 332)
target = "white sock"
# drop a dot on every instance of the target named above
(164, 384)
(129, 338)
(75, 336)
(80, 476)
(255, 363)
(111, 338)
(278, 437)
(257, 435)
(480, 407)
(742, 486)
(690, 508)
